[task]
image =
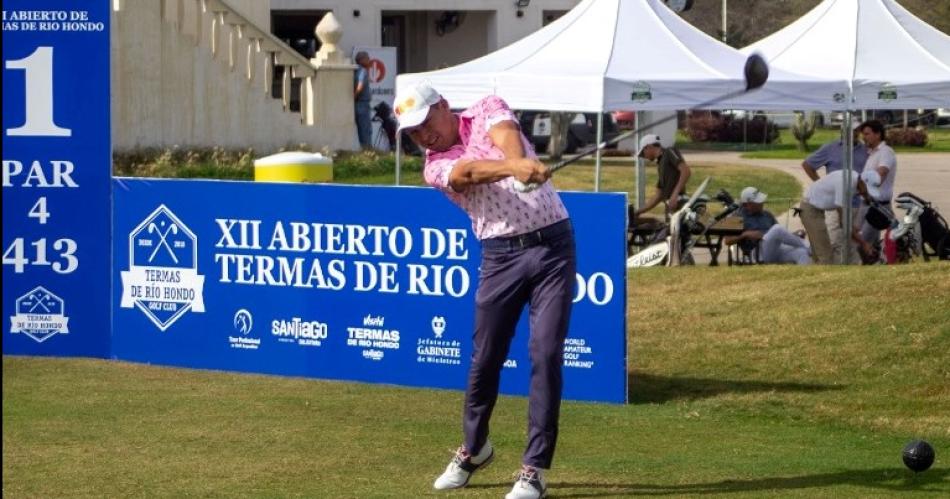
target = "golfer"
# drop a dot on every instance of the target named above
(528, 258)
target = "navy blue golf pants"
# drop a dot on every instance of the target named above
(535, 269)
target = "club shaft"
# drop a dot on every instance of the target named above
(640, 129)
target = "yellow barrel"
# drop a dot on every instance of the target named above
(294, 166)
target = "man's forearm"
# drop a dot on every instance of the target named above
(482, 171)
(506, 136)
(812, 174)
(681, 182)
(653, 201)
(854, 231)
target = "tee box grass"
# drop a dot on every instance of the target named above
(762, 381)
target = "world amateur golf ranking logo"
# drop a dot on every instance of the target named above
(39, 315)
(162, 280)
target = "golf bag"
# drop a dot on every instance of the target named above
(383, 113)
(934, 231)
(651, 243)
(670, 244)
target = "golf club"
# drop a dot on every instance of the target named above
(756, 73)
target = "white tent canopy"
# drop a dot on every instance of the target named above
(607, 55)
(889, 58)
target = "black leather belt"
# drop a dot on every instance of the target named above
(528, 239)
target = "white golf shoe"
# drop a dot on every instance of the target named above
(462, 466)
(530, 484)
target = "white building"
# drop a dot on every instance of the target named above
(253, 73)
(428, 34)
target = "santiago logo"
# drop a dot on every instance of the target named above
(163, 280)
(299, 331)
(40, 314)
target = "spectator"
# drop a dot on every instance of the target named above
(673, 173)
(882, 161)
(759, 227)
(361, 98)
(830, 156)
(824, 195)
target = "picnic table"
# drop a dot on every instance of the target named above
(712, 240)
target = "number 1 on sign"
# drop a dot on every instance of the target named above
(38, 69)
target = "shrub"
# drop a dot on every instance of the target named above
(703, 127)
(367, 163)
(711, 127)
(238, 164)
(616, 153)
(175, 162)
(906, 137)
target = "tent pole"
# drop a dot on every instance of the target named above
(847, 223)
(725, 25)
(600, 140)
(641, 167)
(398, 155)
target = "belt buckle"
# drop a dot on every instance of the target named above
(522, 241)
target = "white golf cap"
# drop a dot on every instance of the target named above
(413, 102)
(752, 195)
(872, 179)
(648, 140)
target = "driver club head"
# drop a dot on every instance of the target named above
(756, 72)
(724, 197)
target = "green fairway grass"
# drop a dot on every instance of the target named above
(768, 381)
(619, 175)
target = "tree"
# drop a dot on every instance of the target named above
(803, 128)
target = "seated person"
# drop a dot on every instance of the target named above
(778, 245)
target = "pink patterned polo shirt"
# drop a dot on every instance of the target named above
(496, 209)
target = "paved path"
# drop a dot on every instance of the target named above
(924, 174)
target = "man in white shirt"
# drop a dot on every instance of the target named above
(824, 195)
(883, 161)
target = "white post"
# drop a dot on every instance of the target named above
(725, 25)
(398, 154)
(332, 100)
(641, 166)
(600, 140)
(285, 88)
(846, 223)
(267, 74)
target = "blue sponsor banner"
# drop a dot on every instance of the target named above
(342, 282)
(56, 177)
